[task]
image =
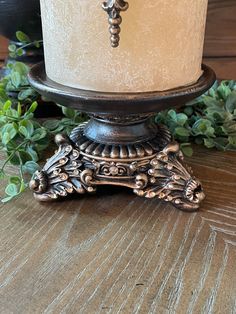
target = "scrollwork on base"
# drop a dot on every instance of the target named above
(171, 181)
(63, 174)
(162, 174)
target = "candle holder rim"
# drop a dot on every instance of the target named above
(107, 102)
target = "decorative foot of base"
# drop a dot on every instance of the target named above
(152, 169)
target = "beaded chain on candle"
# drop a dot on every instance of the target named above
(113, 8)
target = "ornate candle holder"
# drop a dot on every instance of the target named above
(120, 145)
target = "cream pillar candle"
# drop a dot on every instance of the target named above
(161, 44)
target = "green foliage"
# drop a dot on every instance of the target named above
(15, 85)
(209, 120)
(68, 123)
(18, 51)
(22, 139)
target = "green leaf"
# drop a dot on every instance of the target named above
(172, 114)
(11, 189)
(42, 144)
(232, 141)
(188, 111)
(186, 149)
(28, 125)
(221, 143)
(7, 105)
(69, 112)
(20, 52)
(230, 104)
(39, 134)
(24, 131)
(9, 131)
(180, 131)
(33, 107)
(203, 127)
(19, 109)
(14, 159)
(23, 186)
(37, 44)
(181, 119)
(16, 79)
(15, 180)
(33, 153)
(22, 37)
(24, 156)
(21, 68)
(209, 142)
(51, 124)
(12, 48)
(5, 138)
(66, 121)
(210, 101)
(7, 199)
(224, 90)
(30, 167)
(10, 65)
(26, 93)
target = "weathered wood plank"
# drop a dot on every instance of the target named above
(225, 68)
(221, 29)
(114, 252)
(3, 48)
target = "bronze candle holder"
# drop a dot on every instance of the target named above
(120, 145)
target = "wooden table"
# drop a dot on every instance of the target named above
(117, 253)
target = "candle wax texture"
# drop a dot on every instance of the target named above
(161, 44)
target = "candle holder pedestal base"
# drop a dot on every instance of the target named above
(152, 168)
(120, 145)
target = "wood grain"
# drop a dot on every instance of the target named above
(221, 29)
(116, 253)
(3, 48)
(225, 68)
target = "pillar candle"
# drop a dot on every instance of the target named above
(161, 44)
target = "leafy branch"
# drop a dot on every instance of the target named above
(26, 42)
(22, 139)
(209, 120)
(14, 85)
